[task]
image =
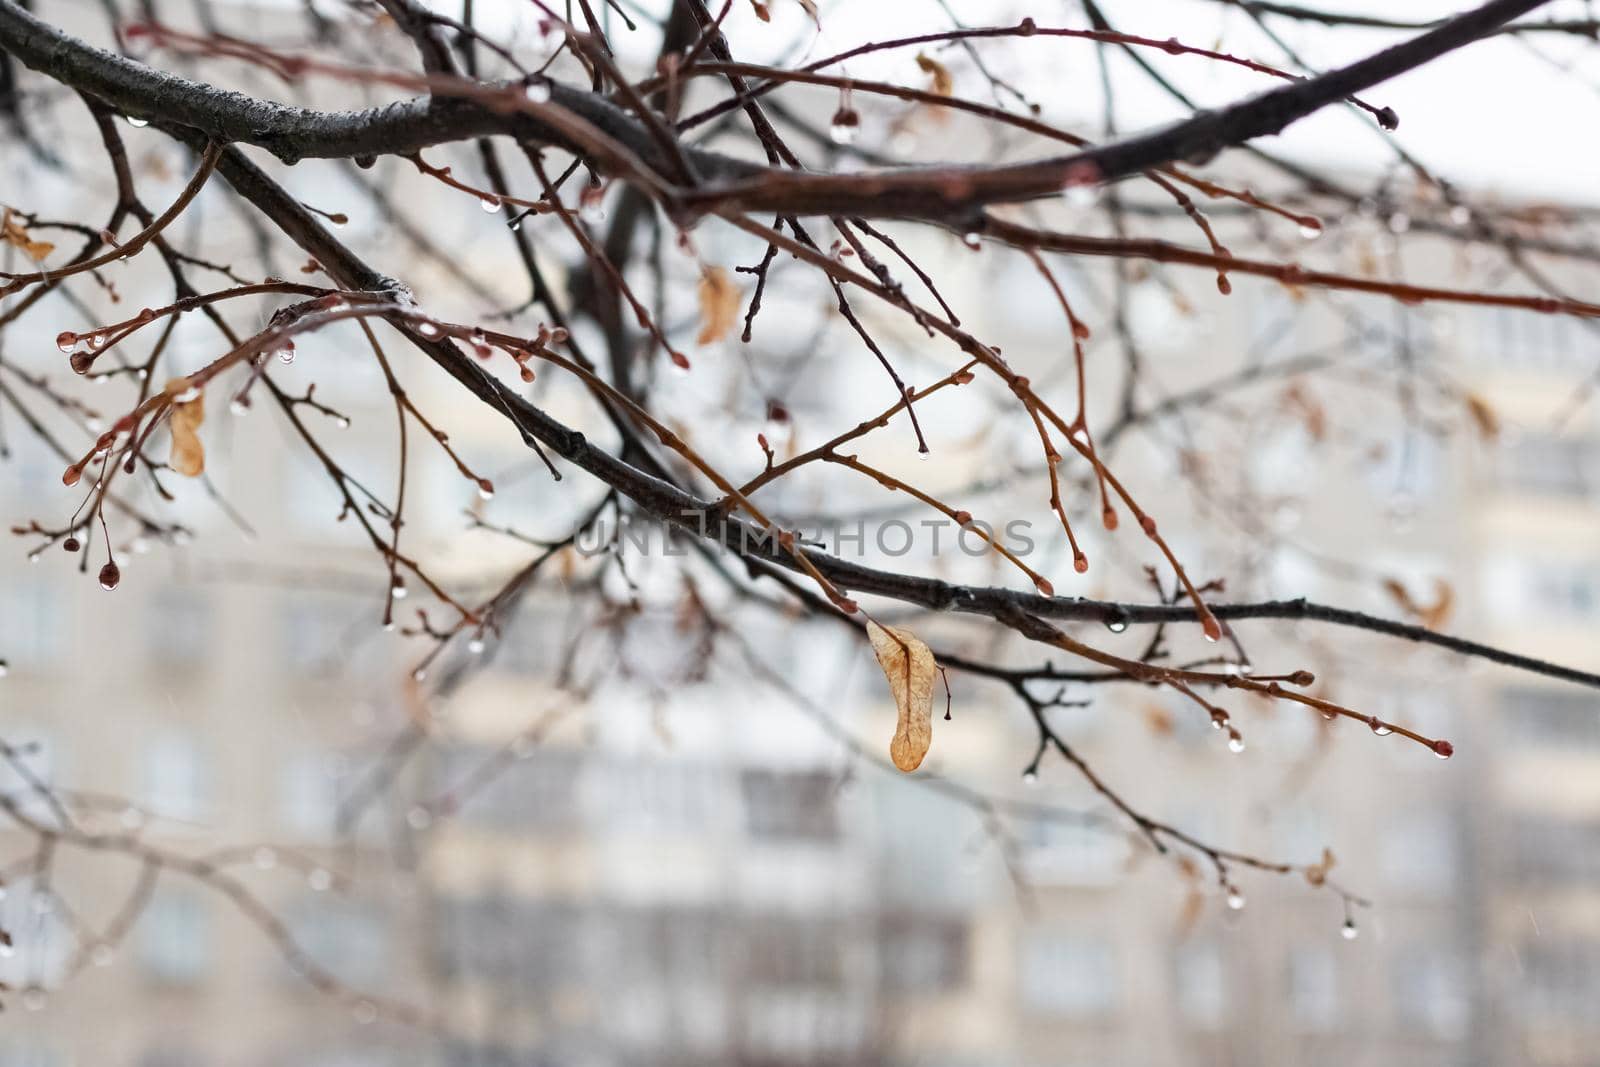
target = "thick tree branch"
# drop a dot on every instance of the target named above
(946, 195)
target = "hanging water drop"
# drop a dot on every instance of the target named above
(110, 575)
(490, 204)
(66, 341)
(1235, 899)
(1080, 195)
(1235, 742)
(972, 240)
(476, 646)
(137, 123)
(286, 353)
(1030, 776)
(485, 489)
(1311, 228)
(1443, 749)
(537, 90)
(1349, 931)
(397, 588)
(1379, 727)
(845, 126)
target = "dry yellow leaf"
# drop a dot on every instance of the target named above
(909, 666)
(1309, 408)
(1483, 417)
(719, 305)
(943, 83)
(188, 454)
(13, 233)
(1431, 616)
(1193, 904)
(1317, 873)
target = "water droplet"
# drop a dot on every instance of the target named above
(1235, 742)
(7, 950)
(972, 240)
(1080, 194)
(845, 127)
(537, 90)
(1117, 623)
(286, 353)
(485, 489)
(1311, 228)
(1030, 777)
(137, 123)
(397, 589)
(1235, 899)
(420, 674)
(110, 575)
(1349, 931)
(66, 340)
(476, 646)
(5, 668)
(1443, 749)
(490, 204)
(1379, 727)
(429, 330)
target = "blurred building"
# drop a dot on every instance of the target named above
(619, 877)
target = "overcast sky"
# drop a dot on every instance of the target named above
(1501, 115)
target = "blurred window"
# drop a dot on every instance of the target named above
(1202, 985)
(1429, 993)
(174, 942)
(790, 805)
(1068, 974)
(1313, 988)
(924, 955)
(173, 784)
(1548, 715)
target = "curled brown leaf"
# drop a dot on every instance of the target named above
(188, 454)
(909, 666)
(719, 305)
